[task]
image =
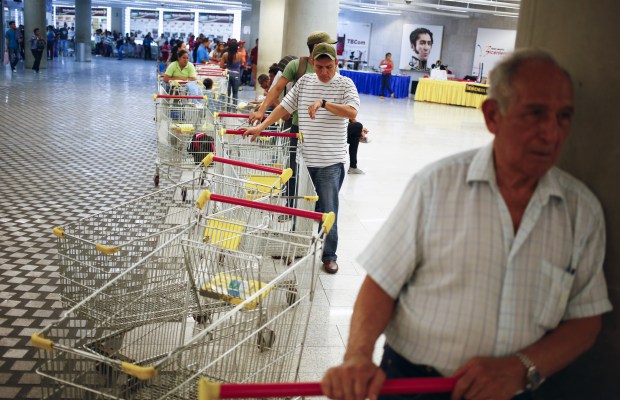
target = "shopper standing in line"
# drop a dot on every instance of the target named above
(386, 65)
(325, 102)
(12, 45)
(37, 45)
(490, 268)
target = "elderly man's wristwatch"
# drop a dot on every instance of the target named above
(534, 378)
(323, 103)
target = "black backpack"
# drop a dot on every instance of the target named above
(200, 145)
(40, 44)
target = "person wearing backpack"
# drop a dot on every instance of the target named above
(37, 46)
(293, 69)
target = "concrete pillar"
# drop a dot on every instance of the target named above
(271, 33)
(83, 43)
(34, 17)
(583, 35)
(117, 20)
(285, 24)
(303, 17)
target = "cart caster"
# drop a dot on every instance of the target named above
(292, 295)
(156, 180)
(183, 194)
(266, 339)
(202, 319)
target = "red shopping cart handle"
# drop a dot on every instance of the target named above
(229, 115)
(172, 96)
(209, 158)
(211, 390)
(327, 218)
(264, 133)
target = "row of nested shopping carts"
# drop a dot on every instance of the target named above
(209, 277)
(207, 281)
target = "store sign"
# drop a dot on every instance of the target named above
(216, 18)
(178, 16)
(353, 41)
(144, 14)
(478, 89)
(491, 46)
(100, 12)
(65, 11)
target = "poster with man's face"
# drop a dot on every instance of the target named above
(420, 47)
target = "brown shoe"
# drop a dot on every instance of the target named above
(330, 266)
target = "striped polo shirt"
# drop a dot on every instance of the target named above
(325, 137)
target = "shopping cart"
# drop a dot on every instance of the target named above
(178, 120)
(208, 305)
(97, 248)
(214, 391)
(245, 180)
(271, 148)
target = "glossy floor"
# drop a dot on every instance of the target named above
(79, 137)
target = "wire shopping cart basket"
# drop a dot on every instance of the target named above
(99, 247)
(210, 304)
(179, 120)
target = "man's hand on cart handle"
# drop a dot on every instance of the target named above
(254, 131)
(257, 116)
(357, 378)
(489, 378)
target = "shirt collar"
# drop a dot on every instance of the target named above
(482, 168)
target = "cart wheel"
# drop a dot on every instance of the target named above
(266, 339)
(156, 180)
(292, 295)
(183, 194)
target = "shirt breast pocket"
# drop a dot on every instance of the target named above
(555, 289)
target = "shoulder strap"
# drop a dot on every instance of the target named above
(301, 69)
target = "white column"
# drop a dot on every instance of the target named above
(83, 43)
(34, 17)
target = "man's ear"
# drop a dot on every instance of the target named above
(492, 114)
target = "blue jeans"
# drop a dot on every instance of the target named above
(328, 181)
(13, 56)
(396, 366)
(233, 87)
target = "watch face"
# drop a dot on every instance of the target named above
(533, 378)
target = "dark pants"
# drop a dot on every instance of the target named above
(291, 187)
(37, 54)
(354, 134)
(147, 52)
(396, 366)
(385, 84)
(50, 49)
(13, 57)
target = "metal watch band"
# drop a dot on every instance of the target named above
(525, 360)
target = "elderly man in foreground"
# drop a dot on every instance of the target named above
(490, 267)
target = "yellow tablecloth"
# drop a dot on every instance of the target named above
(448, 92)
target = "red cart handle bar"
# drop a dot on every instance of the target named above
(212, 157)
(229, 115)
(264, 133)
(328, 219)
(212, 390)
(172, 96)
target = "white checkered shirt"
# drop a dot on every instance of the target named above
(466, 285)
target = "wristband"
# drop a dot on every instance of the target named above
(323, 103)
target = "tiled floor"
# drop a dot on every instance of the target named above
(79, 137)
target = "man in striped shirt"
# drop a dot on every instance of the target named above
(490, 268)
(325, 102)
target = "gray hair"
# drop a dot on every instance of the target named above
(503, 73)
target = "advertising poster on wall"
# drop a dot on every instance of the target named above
(491, 46)
(142, 22)
(178, 24)
(353, 42)
(66, 15)
(420, 46)
(218, 26)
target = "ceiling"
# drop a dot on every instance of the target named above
(452, 8)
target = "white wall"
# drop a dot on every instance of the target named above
(459, 36)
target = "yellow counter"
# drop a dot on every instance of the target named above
(449, 92)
